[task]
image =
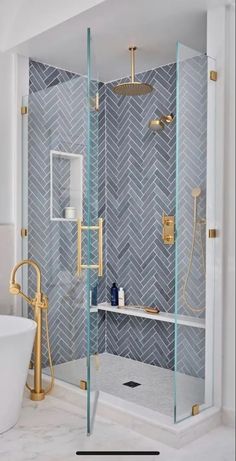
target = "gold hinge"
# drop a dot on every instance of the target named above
(195, 409)
(83, 385)
(24, 110)
(24, 232)
(212, 233)
(95, 103)
(213, 75)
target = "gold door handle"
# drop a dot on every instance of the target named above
(80, 265)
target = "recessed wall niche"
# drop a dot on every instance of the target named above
(66, 186)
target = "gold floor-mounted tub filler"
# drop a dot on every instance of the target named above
(39, 303)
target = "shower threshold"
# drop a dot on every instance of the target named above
(147, 408)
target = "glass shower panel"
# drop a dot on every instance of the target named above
(194, 275)
(55, 197)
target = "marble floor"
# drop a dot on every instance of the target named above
(53, 430)
(110, 372)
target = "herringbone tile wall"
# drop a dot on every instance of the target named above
(140, 186)
(135, 182)
(140, 339)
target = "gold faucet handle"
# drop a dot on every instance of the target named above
(45, 302)
(40, 301)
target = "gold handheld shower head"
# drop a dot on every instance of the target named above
(156, 125)
(132, 88)
(159, 123)
(14, 288)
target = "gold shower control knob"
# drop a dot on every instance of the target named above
(169, 238)
(168, 229)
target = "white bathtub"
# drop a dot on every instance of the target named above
(16, 343)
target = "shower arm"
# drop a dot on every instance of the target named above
(132, 50)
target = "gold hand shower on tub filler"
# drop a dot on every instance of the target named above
(38, 303)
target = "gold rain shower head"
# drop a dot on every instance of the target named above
(159, 123)
(132, 88)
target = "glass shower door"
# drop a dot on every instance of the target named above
(194, 255)
(60, 216)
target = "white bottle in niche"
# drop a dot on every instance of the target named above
(121, 297)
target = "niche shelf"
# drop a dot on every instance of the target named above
(161, 317)
(66, 184)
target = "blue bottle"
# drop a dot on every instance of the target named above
(95, 296)
(114, 295)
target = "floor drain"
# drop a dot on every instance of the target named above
(131, 384)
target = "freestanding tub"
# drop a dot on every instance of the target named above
(16, 343)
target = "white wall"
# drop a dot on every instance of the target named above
(229, 227)
(6, 180)
(23, 19)
(6, 159)
(221, 45)
(14, 82)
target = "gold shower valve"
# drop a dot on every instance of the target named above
(168, 229)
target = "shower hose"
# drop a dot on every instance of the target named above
(49, 388)
(195, 223)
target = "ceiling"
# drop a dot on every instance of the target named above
(154, 26)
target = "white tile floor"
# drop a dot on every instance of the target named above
(155, 391)
(53, 430)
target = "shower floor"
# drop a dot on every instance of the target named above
(156, 384)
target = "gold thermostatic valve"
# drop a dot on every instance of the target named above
(168, 229)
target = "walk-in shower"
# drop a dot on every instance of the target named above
(119, 178)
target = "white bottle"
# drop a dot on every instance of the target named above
(121, 297)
